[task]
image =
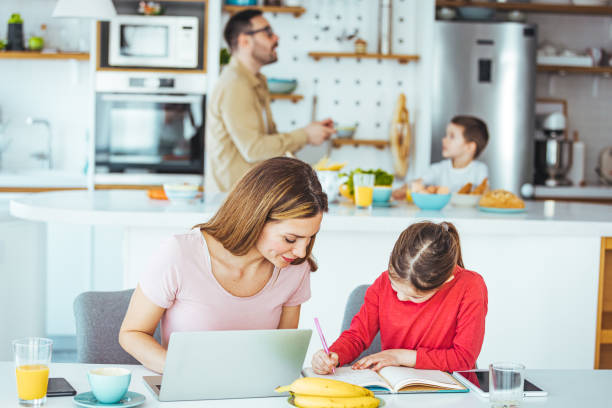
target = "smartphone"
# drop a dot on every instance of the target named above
(59, 387)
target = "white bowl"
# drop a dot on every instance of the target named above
(465, 200)
(181, 192)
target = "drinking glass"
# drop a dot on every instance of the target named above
(364, 189)
(32, 358)
(506, 384)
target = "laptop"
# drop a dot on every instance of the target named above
(229, 364)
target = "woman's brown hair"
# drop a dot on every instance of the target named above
(276, 189)
(425, 254)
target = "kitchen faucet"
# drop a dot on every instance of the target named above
(42, 155)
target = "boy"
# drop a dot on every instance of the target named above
(466, 137)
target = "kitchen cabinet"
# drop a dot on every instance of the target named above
(603, 338)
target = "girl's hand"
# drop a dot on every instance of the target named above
(398, 357)
(322, 363)
(399, 193)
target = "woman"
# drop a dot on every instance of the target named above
(247, 268)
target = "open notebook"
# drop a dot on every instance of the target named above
(395, 379)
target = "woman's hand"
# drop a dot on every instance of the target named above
(396, 357)
(322, 363)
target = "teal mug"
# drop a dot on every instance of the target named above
(109, 384)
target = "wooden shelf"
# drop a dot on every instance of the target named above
(288, 97)
(81, 56)
(530, 7)
(574, 70)
(296, 11)
(379, 144)
(402, 59)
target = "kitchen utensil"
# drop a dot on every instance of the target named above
(576, 172)
(430, 201)
(281, 86)
(385, 27)
(604, 165)
(400, 137)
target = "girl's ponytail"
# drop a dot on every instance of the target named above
(452, 230)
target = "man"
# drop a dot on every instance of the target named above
(240, 130)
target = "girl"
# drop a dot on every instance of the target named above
(248, 267)
(430, 310)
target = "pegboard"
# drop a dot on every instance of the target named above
(349, 90)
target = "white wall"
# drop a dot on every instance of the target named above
(589, 97)
(352, 91)
(53, 90)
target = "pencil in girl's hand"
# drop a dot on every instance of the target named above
(323, 340)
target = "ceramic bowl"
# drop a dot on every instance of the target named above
(181, 192)
(382, 194)
(281, 86)
(345, 132)
(241, 2)
(465, 200)
(430, 201)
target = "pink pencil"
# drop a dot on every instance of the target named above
(323, 340)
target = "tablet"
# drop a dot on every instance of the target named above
(478, 381)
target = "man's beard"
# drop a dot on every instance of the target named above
(264, 57)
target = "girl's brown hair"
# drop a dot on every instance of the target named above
(276, 189)
(425, 254)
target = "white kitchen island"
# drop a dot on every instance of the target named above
(541, 267)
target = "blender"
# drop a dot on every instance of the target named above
(553, 151)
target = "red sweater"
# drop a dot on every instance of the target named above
(446, 331)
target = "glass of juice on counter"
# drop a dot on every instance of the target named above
(32, 358)
(364, 189)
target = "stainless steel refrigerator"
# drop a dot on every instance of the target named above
(488, 70)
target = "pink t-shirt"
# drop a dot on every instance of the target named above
(179, 279)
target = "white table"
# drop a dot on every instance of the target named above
(567, 389)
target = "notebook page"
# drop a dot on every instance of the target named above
(406, 376)
(362, 378)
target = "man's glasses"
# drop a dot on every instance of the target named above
(267, 29)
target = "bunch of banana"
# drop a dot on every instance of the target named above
(314, 392)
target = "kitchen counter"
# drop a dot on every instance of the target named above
(541, 267)
(134, 208)
(599, 192)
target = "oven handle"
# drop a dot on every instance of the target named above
(191, 99)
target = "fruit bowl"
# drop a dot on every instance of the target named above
(430, 201)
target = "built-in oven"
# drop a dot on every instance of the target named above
(153, 41)
(149, 124)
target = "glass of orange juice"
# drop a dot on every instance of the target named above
(32, 358)
(364, 189)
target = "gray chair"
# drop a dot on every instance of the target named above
(98, 317)
(353, 304)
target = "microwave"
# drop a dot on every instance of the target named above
(153, 41)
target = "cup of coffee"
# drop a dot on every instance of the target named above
(109, 384)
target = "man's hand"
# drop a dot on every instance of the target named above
(318, 132)
(396, 357)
